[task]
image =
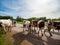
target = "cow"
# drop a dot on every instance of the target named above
(26, 24)
(33, 26)
(0, 24)
(37, 24)
(56, 25)
(48, 26)
(14, 23)
(6, 24)
(34, 23)
(40, 25)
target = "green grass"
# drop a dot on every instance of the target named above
(1, 39)
(20, 22)
(5, 38)
(1, 36)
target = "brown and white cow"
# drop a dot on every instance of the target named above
(56, 25)
(33, 25)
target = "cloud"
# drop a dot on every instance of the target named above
(32, 8)
(42, 6)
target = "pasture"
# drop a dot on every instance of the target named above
(20, 22)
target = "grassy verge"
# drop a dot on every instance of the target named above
(20, 22)
(5, 39)
(1, 36)
(1, 39)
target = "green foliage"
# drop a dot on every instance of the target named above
(1, 39)
(42, 18)
(1, 36)
(19, 19)
(33, 18)
(20, 22)
(58, 19)
(6, 17)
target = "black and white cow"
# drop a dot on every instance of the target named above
(26, 24)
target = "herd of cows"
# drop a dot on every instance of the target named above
(41, 25)
(45, 25)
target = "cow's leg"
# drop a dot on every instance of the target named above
(41, 32)
(58, 30)
(4, 29)
(23, 29)
(9, 28)
(45, 30)
(53, 30)
(24, 26)
(49, 32)
(38, 31)
(35, 30)
(29, 29)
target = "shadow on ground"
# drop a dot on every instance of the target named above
(34, 40)
(52, 41)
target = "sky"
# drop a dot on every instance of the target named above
(30, 8)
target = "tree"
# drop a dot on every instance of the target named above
(19, 19)
(58, 19)
(6, 17)
(42, 18)
(33, 18)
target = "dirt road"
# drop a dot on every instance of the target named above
(25, 38)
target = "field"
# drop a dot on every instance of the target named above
(20, 22)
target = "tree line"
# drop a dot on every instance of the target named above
(6, 17)
(20, 19)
